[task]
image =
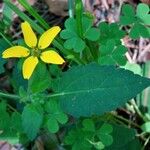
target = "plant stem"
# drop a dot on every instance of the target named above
(6, 39)
(70, 6)
(125, 120)
(79, 11)
(138, 110)
(11, 96)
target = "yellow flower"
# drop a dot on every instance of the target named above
(37, 49)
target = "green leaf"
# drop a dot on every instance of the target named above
(128, 15)
(110, 32)
(103, 134)
(139, 30)
(40, 76)
(88, 125)
(52, 125)
(54, 116)
(32, 118)
(79, 139)
(146, 127)
(142, 10)
(94, 89)
(73, 39)
(92, 34)
(111, 55)
(124, 139)
(133, 67)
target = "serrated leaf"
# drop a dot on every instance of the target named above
(32, 118)
(94, 89)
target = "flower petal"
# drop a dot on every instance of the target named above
(52, 57)
(29, 36)
(28, 66)
(48, 36)
(16, 51)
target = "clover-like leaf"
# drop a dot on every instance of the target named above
(73, 40)
(109, 32)
(142, 13)
(139, 21)
(54, 116)
(128, 15)
(79, 139)
(111, 54)
(139, 30)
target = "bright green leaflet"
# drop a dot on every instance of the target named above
(94, 89)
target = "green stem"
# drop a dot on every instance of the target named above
(70, 6)
(79, 11)
(138, 110)
(6, 39)
(11, 96)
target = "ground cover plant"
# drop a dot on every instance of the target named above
(68, 85)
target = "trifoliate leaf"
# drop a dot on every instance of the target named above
(55, 116)
(95, 89)
(110, 32)
(73, 39)
(79, 139)
(32, 118)
(139, 21)
(111, 54)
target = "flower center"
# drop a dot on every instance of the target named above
(36, 52)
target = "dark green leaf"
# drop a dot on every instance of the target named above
(32, 118)
(95, 89)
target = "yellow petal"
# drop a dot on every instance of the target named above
(29, 36)
(28, 66)
(48, 36)
(52, 57)
(16, 51)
